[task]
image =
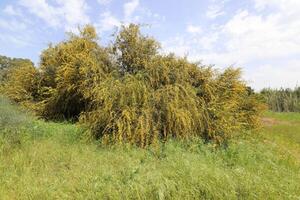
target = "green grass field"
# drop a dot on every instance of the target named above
(46, 160)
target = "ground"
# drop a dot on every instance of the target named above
(47, 160)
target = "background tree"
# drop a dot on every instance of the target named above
(282, 100)
(7, 63)
(22, 84)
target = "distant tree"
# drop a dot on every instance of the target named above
(282, 100)
(7, 63)
(22, 83)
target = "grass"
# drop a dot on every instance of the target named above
(46, 160)
(285, 116)
(285, 132)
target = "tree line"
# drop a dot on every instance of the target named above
(282, 100)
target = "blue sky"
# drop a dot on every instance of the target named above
(261, 36)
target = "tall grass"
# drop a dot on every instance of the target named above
(11, 121)
(10, 115)
(52, 162)
(282, 100)
(19, 126)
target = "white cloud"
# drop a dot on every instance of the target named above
(12, 25)
(130, 7)
(265, 43)
(17, 26)
(256, 37)
(104, 2)
(177, 45)
(193, 29)
(274, 75)
(150, 17)
(14, 32)
(107, 22)
(74, 12)
(288, 6)
(133, 12)
(11, 10)
(215, 10)
(253, 36)
(253, 39)
(43, 10)
(19, 40)
(63, 14)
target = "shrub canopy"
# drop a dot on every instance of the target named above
(128, 92)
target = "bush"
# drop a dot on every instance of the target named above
(129, 93)
(22, 84)
(68, 71)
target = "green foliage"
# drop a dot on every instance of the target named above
(282, 100)
(130, 93)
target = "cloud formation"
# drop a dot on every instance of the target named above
(107, 22)
(257, 40)
(65, 14)
(130, 7)
(104, 2)
(193, 29)
(258, 35)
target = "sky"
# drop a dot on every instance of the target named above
(260, 36)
